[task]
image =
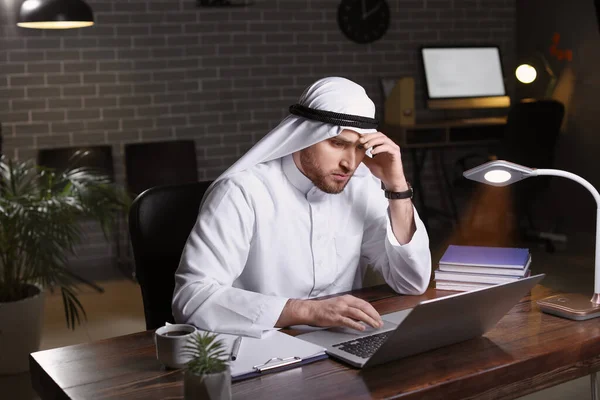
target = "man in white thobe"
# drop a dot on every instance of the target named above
(301, 215)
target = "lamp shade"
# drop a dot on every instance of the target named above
(498, 173)
(55, 14)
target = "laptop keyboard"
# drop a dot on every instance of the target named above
(365, 346)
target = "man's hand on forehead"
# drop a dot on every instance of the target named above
(386, 163)
(373, 140)
(367, 149)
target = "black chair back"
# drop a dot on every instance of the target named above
(160, 221)
(160, 163)
(532, 130)
(530, 137)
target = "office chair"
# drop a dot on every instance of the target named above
(160, 221)
(530, 137)
(162, 163)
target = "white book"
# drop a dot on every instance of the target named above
(486, 270)
(475, 278)
(460, 286)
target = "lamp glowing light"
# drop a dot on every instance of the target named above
(502, 173)
(526, 73)
(55, 14)
(497, 176)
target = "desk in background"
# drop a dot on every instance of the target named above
(527, 351)
(421, 137)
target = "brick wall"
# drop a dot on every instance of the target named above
(164, 69)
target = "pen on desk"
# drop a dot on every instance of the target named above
(236, 348)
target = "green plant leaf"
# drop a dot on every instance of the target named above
(208, 355)
(41, 211)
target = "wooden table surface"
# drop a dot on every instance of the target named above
(527, 351)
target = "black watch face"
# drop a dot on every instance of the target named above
(364, 21)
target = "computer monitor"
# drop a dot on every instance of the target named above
(464, 77)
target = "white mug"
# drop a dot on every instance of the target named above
(170, 341)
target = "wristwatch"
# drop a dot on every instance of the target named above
(407, 194)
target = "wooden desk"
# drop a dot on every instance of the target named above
(527, 351)
(422, 137)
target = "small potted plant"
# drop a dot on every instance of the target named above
(40, 223)
(207, 374)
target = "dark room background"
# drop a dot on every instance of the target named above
(160, 70)
(578, 148)
(156, 69)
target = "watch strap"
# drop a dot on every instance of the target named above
(407, 194)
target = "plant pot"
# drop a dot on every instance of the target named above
(20, 331)
(207, 387)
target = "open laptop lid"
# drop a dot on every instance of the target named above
(447, 320)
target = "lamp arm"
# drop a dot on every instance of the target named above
(572, 176)
(594, 192)
(548, 69)
(550, 87)
(546, 64)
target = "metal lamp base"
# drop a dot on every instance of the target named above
(574, 306)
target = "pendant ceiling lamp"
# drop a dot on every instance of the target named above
(55, 14)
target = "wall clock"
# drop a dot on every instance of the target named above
(364, 21)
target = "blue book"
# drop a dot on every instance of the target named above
(482, 256)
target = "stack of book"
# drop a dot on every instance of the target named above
(464, 268)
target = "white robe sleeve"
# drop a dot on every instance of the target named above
(213, 258)
(405, 268)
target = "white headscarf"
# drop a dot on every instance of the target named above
(296, 133)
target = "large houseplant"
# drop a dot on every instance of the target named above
(207, 374)
(40, 214)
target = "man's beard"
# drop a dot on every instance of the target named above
(315, 173)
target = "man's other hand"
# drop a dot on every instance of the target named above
(345, 311)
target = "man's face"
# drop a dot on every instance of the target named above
(331, 163)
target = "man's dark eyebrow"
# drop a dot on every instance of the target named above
(341, 139)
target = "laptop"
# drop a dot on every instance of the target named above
(429, 325)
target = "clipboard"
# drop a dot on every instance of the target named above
(277, 364)
(275, 352)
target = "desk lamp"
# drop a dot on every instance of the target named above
(572, 306)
